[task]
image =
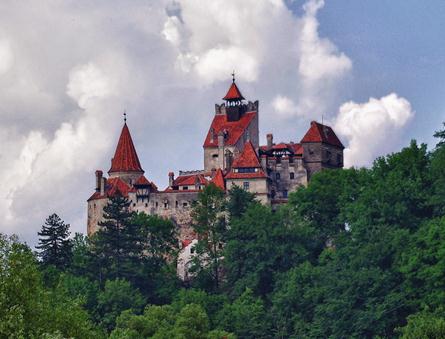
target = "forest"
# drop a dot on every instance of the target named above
(359, 253)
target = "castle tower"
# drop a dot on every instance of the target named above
(125, 163)
(235, 122)
(321, 149)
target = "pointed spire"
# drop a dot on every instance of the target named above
(125, 158)
(233, 94)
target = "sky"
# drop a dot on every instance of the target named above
(373, 70)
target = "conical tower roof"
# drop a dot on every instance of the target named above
(233, 93)
(125, 158)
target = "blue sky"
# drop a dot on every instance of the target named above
(374, 70)
(395, 46)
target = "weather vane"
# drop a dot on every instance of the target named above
(233, 76)
(125, 116)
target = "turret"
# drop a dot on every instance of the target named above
(125, 163)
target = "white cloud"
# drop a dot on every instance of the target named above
(284, 106)
(6, 56)
(372, 128)
(87, 82)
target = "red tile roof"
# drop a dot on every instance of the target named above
(256, 175)
(247, 158)
(190, 180)
(125, 158)
(234, 129)
(117, 186)
(113, 186)
(233, 93)
(218, 180)
(321, 133)
(143, 181)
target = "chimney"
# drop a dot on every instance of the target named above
(269, 141)
(171, 178)
(102, 185)
(99, 174)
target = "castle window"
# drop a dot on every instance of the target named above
(277, 176)
(156, 204)
(165, 204)
(214, 156)
(292, 175)
(134, 205)
(246, 185)
(185, 204)
(192, 250)
(177, 203)
(278, 160)
(291, 160)
(246, 170)
(285, 194)
(146, 205)
(185, 188)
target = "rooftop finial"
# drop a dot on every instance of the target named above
(125, 116)
(233, 76)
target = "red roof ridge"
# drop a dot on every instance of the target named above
(125, 157)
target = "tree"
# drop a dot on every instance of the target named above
(27, 309)
(261, 244)
(117, 296)
(238, 201)
(54, 244)
(117, 244)
(246, 317)
(209, 223)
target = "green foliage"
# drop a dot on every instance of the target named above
(261, 244)
(27, 309)
(117, 296)
(424, 325)
(246, 317)
(190, 321)
(54, 244)
(238, 201)
(209, 223)
(116, 244)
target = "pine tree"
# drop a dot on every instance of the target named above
(117, 244)
(54, 244)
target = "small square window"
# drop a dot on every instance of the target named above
(277, 176)
(246, 185)
(292, 175)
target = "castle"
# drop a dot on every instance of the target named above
(232, 156)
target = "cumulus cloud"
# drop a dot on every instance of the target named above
(284, 105)
(372, 128)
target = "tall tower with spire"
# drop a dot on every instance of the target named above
(235, 122)
(125, 162)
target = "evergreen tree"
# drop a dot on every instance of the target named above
(54, 245)
(238, 202)
(116, 245)
(209, 223)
